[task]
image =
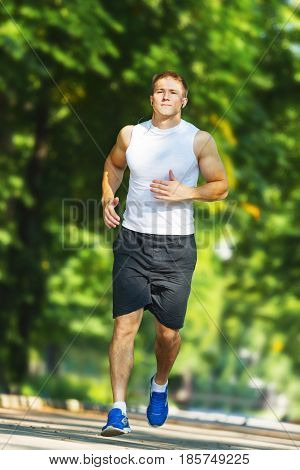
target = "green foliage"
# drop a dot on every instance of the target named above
(69, 386)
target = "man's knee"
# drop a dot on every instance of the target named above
(128, 325)
(167, 335)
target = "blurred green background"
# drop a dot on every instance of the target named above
(72, 74)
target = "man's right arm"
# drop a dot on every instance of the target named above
(114, 168)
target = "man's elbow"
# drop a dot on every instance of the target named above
(224, 192)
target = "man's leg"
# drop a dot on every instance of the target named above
(167, 345)
(121, 352)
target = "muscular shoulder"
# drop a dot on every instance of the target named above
(124, 137)
(203, 143)
(118, 152)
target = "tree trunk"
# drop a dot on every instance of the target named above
(26, 259)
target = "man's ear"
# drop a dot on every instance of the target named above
(184, 102)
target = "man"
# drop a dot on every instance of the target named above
(155, 252)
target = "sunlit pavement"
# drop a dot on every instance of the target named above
(64, 430)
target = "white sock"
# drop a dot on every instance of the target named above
(158, 388)
(121, 405)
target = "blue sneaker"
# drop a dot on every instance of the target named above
(117, 424)
(157, 411)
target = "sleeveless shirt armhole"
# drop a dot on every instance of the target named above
(131, 138)
(196, 130)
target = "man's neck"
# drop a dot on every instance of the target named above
(165, 122)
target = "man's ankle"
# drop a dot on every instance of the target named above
(155, 387)
(121, 405)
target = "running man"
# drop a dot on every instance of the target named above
(155, 251)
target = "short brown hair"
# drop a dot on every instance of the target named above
(169, 73)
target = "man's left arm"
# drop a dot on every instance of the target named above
(212, 169)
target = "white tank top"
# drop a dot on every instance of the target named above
(152, 152)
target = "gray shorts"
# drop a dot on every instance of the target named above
(154, 272)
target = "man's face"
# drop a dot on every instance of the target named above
(168, 96)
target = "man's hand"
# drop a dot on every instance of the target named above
(171, 190)
(111, 218)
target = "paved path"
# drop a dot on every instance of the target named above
(53, 429)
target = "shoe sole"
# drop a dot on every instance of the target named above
(111, 431)
(157, 425)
